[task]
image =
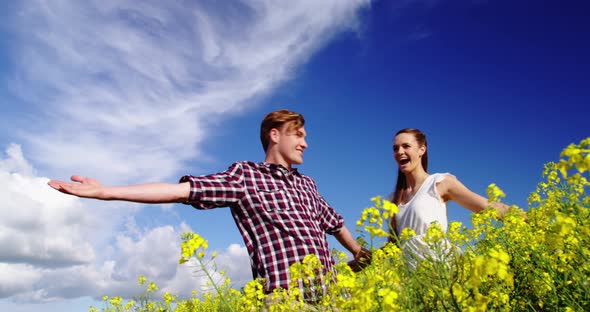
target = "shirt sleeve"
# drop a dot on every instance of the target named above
(221, 189)
(331, 221)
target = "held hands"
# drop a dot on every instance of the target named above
(85, 187)
(361, 259)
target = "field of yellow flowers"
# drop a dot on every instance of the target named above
(533, 261)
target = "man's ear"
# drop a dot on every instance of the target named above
(274, 135)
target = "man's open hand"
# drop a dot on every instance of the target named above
(84, 187)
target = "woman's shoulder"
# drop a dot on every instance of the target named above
(445, 183)
(441, 183)
(439, 177)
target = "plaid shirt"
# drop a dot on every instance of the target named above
(280, 214)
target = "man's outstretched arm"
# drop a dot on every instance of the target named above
(151, 193)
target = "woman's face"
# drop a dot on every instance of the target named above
(407, 152)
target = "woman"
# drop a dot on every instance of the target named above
(421, 197)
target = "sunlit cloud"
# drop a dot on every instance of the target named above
(38, 225)
(49, 250)
(121, 88)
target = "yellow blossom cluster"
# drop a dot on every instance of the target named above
(375, 220)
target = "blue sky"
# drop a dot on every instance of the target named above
(132, 93)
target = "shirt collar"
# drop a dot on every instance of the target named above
(277, 167)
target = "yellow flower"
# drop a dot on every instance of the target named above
(152, 287)
(116, 301)
(434, 234)
(407, 233)
(253, 295)
(389, 296)
(458, 292)
(390, 207)
(376, 199)
(130, 304)
(376, 231)
(495, 194)
(454, 232)
(192, 243)
(169, 298)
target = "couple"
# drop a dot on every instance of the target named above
(279, 212)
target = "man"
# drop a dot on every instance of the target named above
(278, 211)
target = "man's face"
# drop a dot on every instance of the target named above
(291, 144)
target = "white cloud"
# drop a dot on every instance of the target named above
(38, 225)
(17, 278)
(41, 231)
(233, 261)
(120, 88)
(48, 252)
(15, 161)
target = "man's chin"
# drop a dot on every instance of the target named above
(297, 161)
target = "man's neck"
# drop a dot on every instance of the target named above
(277, 161)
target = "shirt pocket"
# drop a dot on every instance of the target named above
(274, 198)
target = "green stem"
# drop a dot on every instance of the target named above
(204, 268)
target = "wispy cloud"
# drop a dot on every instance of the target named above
(125, 91)
(121, 88)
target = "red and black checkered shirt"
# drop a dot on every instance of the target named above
(279, 213)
